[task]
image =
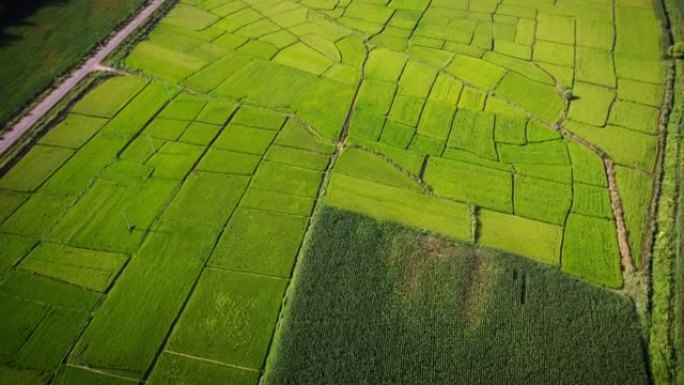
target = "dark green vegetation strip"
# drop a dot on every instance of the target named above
(374, 303)
(667, 288)
(666, 340)
(36, 49)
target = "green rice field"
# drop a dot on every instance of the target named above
(346, 192)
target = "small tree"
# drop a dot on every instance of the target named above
(568, 94)
(676, 51)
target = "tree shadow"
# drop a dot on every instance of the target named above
(15, 13)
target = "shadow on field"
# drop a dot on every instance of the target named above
(15, 13)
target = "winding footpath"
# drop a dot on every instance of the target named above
(92, 64)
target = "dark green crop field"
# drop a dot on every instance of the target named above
(375, 303)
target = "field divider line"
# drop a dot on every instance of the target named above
(211, 361)
(101, 372)
(569, 212)
(222, 269)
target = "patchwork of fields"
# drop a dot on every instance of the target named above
(152, 233)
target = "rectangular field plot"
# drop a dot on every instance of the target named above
(635, 191)
(219, 197)
(592, 201)
(73, 131)
(410, 161)
(111, 216)
(477, 72)
(230, 318)
(542, 200)
(82, 168)
(635, 116)
(167, 129)
(510, 129)
(541, 100)
(532, 239)
(174, 160)
(285, 179)
(296, 135)
(167, 63)
(216, 112)
(89, 269)
(470, 183)
(45, 291)
(297, 158)
(590, 250)
(587, 167)
(245, 139)
(37, 336)
(200, 133)
(436, 120)
(126, 173)
(595, 66)
(123, 337)
(625, 146)
(37, 215)
(180, 369)
(14, 248)
(389, 203)
(552, 173)
(140, 110)
(538, 132)
(10, 201)
(366, 165)
(260, 242)
(184, 107)
(277, 202)
(544, 153)
(592, 104)
(560, 29)
(11, 375)
(640, 92)
(34, 168)
(473, 132)
(258, 118)
(110, 97)
(228, 162)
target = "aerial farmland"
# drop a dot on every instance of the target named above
(341, 192)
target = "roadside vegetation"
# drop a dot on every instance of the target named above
(42, 40)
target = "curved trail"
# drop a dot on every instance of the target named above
(92, 64)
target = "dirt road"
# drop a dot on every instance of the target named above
(92, 64)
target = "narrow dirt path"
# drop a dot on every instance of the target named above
(92, 64)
